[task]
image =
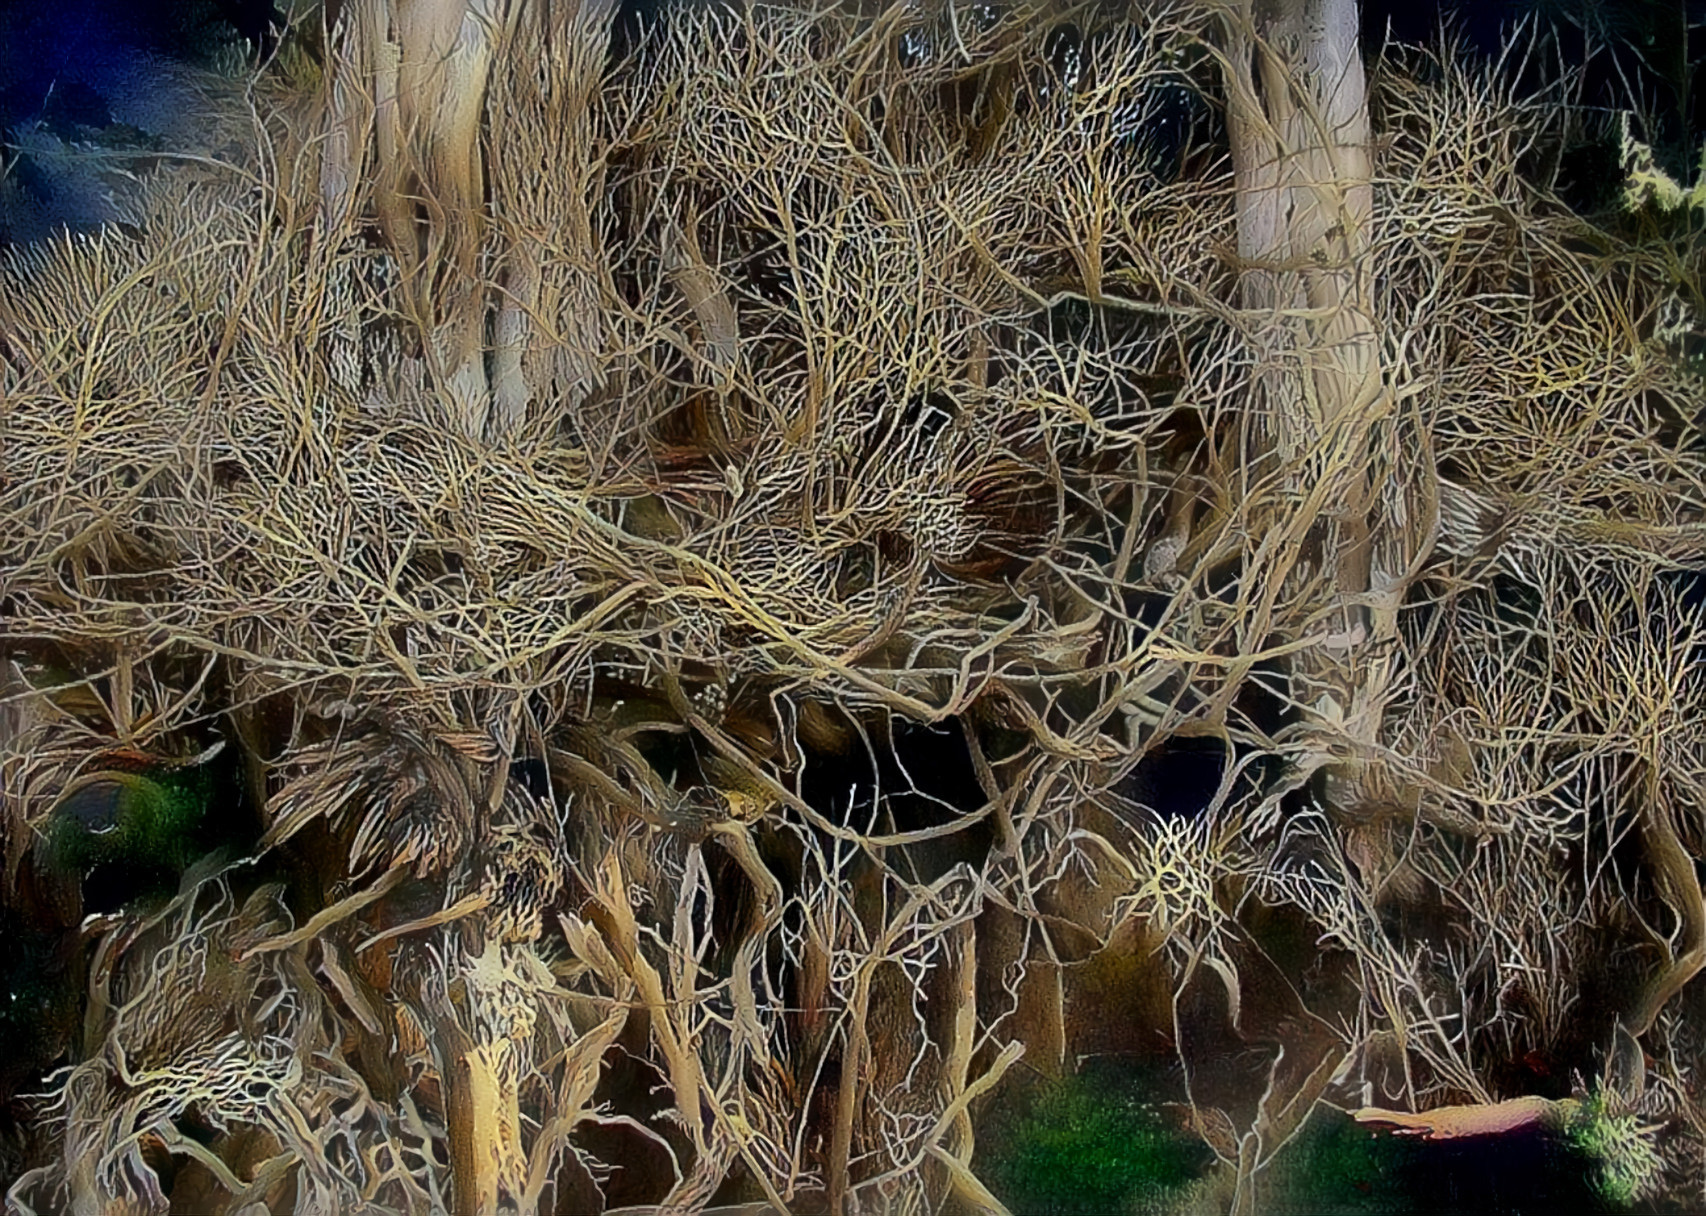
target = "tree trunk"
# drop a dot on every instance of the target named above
(1297, 113)
(410, 84)
(1298, 117)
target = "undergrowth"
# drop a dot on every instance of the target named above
(530, 525)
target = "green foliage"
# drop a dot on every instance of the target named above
(1624, 1163)
(1089, 1145)
(1340, 1166)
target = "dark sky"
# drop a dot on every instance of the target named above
(1629, 47)
(81, 72)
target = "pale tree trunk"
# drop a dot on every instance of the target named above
(419, 95)
(1298, 117)
(549, 327)
(1297, 110)
(412, 74)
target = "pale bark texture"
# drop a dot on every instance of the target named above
(1298, 118)
(552, 279)
(1297, 113)
(448, 110)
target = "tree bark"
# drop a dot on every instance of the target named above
(1297, 114)
(1298, 118)
(412, 90)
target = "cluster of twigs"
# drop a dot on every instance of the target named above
(833, 395)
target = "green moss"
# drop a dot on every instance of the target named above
(1340, 1167)
(121, 833)
(1623, 1163)
(115, 815)
(1090, 1145)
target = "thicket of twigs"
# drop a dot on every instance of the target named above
(722, 779)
